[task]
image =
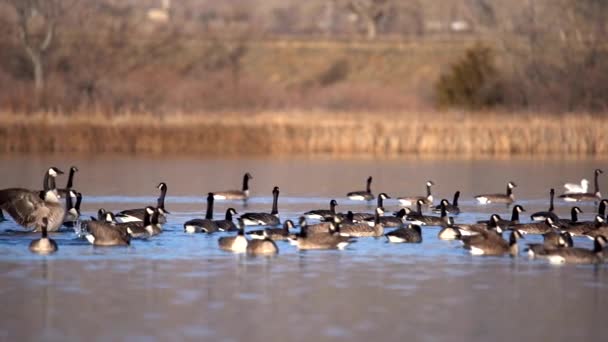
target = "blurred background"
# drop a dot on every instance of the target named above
(361, 61)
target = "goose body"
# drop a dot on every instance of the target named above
(449, 232)
(581, 228)
(102, 233)
(412, 234)
(28, 207)
(140, 229)
(242, 194)
(134, 215)
(496, 246)
(262, 247)
(264, 219)
(227, 225)
(362, 229)
(366, 195)
(44, 245)
(552, 240)
(542, 215)
(429, 220)
(206, 225)
(276, 234)
(450, 208)
(579, 255)
(389, 221)
(307, 241)
(535, 227)
(235, 244)
(479, 229)
(586, 196)
(573, 188)
(323, 214)
(508, 197)
(407, 201)
(517, 209)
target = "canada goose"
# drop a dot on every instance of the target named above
(429, 220)
(68, 186)
(103, 233)
(307, 241)
(600, 229)
(551, 241)
(535, 227)
(322, 227)
(542, 215)
(450, 231)
(587, 196)
(276, 234)
(362, 195)
(413, 216)
(323, 214)
(573, 220)
(475, 229)
(226, 225)
(497, 247)
(154, 228)
(573, 188)
(235, 244)
(44, 245)
(362, 229)
(73, 210)
(263, 246)
(514, 217)
(207, 224)
(498, 198)
(409, 200)
(242, 194)
(140, 229)
(579, 255)
(264, 219)
(28, 207)
(450, 208)
(412, 234)
(131, 215)
(584, 228)
(389, 221)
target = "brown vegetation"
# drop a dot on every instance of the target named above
(446, 134)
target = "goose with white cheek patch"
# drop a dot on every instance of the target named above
(265, 219)
(206, 225)
(579, 255)
(134, 215)
(242, 194)
(365, 195)
(507, 198)
(276, 234)
(362, 229)
(307, 241)
(427, 200)
(497, 247)
(322, 214)
(450, 208)
(107, 233)
(410, 234)
(552, 240)
(542, 215)
(235, 244)
(227, 225)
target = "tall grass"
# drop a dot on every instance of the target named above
(447, 134)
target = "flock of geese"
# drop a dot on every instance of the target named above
(45, 211)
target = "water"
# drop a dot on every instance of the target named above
(179, 286)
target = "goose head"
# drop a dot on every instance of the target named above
(512, 185)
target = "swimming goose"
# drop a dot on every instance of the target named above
(104, 233)
(276, 234)
(207, 224)
(412, 234)
(323, 214)
(429, 220)
(601, 228)
(131, 215)
(389, 221)
(73, 210)
(226, 225)
(44, 245)
(362, 195)
(264, 219)
(28, 207)
(138, 229)
(409, 200)
(321, 227)
(584, 228)
(450, 208)
(552, 240)
(498, 198)
(68, 186)
(542, 215)
(361, 229)
(155, 227)
(587, 196)
(235, 244)
(450, 231)
(242, 194)
(475, 229)
(263, 246)
(573, 220)
(413, 216)
(497, 247)
(514, 217)
(307, 241)
(573, 188)
(579, 255)
(535, 227)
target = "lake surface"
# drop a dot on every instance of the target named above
(182, 287)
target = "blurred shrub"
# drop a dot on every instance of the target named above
(472, 82)
(337, 72)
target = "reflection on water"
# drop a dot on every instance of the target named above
(179, 286)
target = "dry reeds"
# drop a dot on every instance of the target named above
(448, 134)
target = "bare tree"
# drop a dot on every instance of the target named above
(36, 24)
(371, 12)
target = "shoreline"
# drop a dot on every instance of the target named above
(453, 135)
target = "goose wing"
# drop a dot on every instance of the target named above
(24, 206)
